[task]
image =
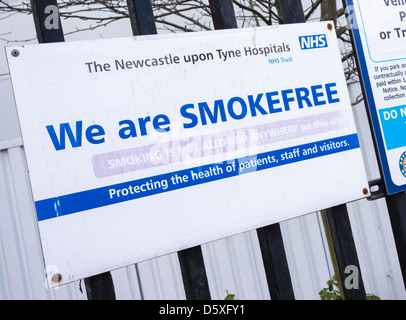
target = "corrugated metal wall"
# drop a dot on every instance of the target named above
(21, 267)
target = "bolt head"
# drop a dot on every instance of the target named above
(56, 278)
(15, 53)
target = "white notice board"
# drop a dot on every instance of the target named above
(138, 147)
(379, 30)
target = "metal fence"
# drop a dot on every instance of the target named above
(276, 261)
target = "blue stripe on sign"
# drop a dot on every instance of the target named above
(131, 190)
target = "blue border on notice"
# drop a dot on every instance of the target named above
(391, 187)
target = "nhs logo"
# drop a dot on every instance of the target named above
(313, 41)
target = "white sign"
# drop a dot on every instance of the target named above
(379, 29)
(138, 147)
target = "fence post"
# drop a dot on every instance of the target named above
(345, 252)
(222, 13)
(50, 30)
(292, 11)
(100, 287)
(275, 262)
(337, 217)
(44, 13)
(194, 274)
(191, 261)
(141, 17)
(270, 237)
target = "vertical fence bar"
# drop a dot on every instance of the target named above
(50, 30)
(100, 287)
(191, 261)
(44, 13)
(292, 11)
(222, 13)
(194, 275)
(337, 217)
(141, 17)
(275, 263)
(270, 237)
(395, 203)
(195, 282)
(345, 251)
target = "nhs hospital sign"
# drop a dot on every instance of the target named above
(313, 41)
(138, 147)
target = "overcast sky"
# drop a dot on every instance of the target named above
(21, 27)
